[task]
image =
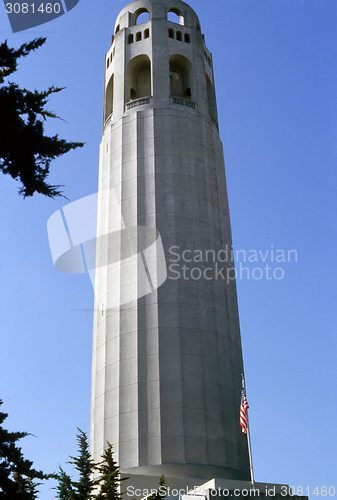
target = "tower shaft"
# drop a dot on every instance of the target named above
(166, 364)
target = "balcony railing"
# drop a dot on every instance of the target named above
(183, 102)
(137, 102)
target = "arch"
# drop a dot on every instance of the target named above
(147, 33)
(211, 98)
(141, 16)
(130, 38)
(181, 78)
(187, 38)
(109, 98)
(171, 33)
(138, 78)
(175, 16)
(179, 36)
(138, 36)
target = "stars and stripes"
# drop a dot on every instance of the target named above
(243, 408)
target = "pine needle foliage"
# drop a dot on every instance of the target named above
(26, 152)
(85, 466)
(18, 479)
(110, 478)
(161, 493)
(65, 488)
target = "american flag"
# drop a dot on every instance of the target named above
(243, 408)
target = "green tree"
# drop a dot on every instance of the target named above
(110, 478)
(162, 490)
(64, 488)
(25, 151)
(85, 466)
(18, 479)
(162, 487)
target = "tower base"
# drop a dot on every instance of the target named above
(139, 486)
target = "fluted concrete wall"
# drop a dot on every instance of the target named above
(166, 367)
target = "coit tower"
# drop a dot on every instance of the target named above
(167, 357)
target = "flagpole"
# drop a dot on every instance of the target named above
(250, 455)
(248, 441)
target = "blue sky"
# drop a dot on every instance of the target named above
(275, 70)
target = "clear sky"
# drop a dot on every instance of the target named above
(275, 71)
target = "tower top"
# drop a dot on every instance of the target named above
(157, 9)
(158, 58)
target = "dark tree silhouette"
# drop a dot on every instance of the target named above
(162, 490)
(25, 152)
(96, 481)
(18, 479)
(110, 478)
(65, 489)
(85, 486)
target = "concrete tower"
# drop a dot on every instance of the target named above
(167, 364)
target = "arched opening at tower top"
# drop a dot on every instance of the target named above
(109, 98)
(138, 78)
(175, 16)
(181, 78)
(142, 16)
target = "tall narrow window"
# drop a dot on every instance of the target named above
(211, 98)
(109, 98)
(171, 33)
(117, 29)
(138, 78)
(187, 38)
(138, 36)
(179, 36)
(146, 33)
(130, 38)
(181, 82)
